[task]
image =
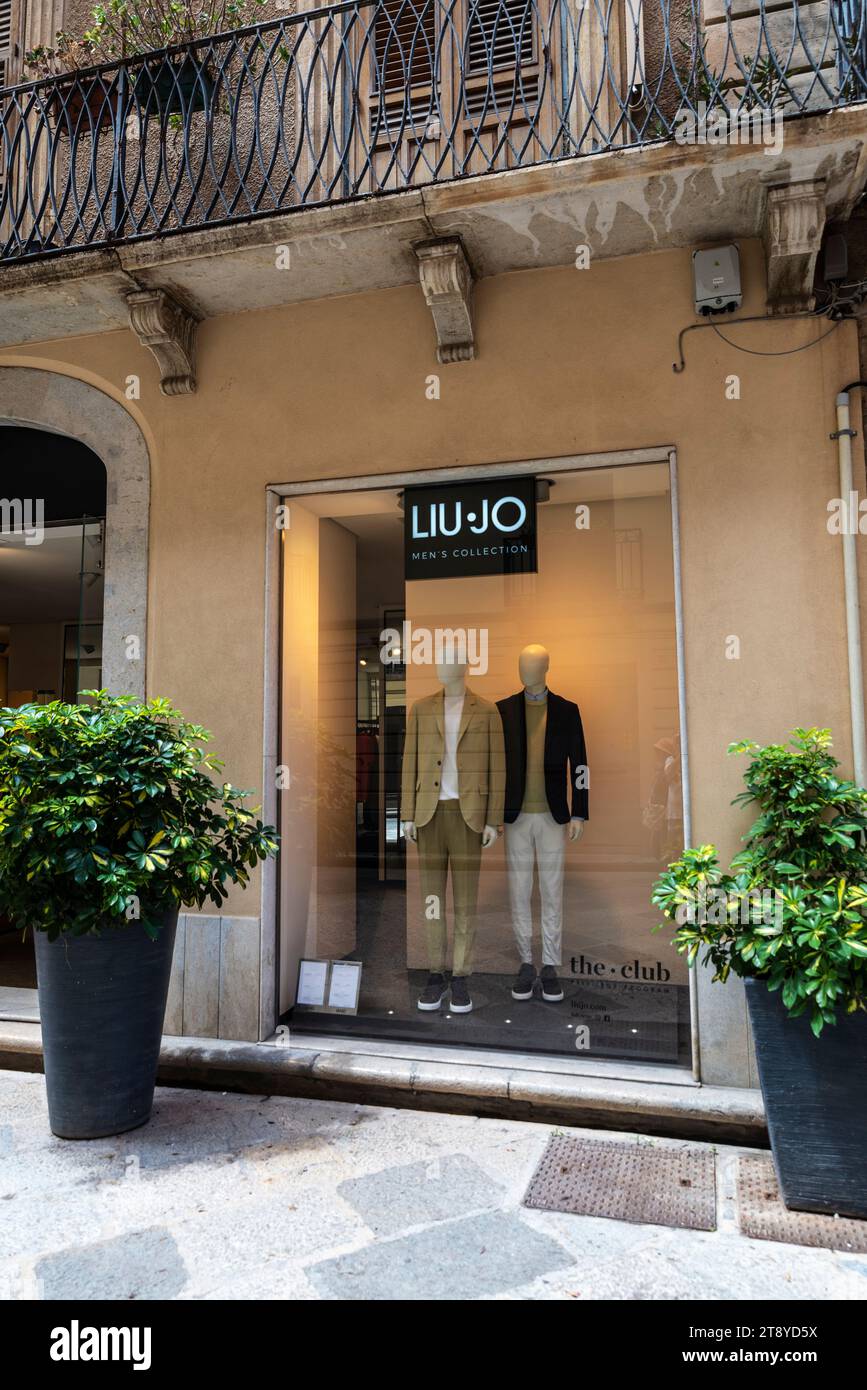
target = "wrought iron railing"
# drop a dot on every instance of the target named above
(375, 96)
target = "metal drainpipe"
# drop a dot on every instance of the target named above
(844, 434)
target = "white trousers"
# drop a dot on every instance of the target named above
(535, 837)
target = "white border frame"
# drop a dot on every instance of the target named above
(275, 492)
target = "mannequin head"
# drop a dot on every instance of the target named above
(533, 666)
(452, 676)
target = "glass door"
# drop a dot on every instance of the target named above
(82, 642)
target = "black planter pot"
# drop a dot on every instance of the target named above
(173, 87)
(102, 1000)
(814, 1099)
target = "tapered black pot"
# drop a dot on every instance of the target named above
(102, 1001)
(172, 87)
(814, 1091)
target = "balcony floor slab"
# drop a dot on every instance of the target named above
(619, 203)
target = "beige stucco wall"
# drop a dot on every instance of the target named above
(568, 362)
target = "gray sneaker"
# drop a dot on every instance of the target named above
(433, 993)
(552, 990)
(461, 1002)
(524, 984)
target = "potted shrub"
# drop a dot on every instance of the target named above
(790, 917)
(170, 84)
(109, 822)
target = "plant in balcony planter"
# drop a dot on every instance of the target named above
(87, 101)
(110, 821)
(165, 84)
(790, 917)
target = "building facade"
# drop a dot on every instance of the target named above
(341, 277)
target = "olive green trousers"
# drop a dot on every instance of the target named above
(447, 842)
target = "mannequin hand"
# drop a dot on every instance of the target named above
(576, 829)
(489, 836)
(410, 830)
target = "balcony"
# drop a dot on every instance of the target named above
(522, 126)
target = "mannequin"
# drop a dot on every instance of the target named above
(544, 742)
(452, 789)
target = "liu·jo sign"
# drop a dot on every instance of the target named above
(464, 529)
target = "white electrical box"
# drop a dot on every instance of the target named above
(717, 276)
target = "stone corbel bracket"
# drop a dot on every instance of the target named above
(447, 284)
(792, 233)
(169, 330)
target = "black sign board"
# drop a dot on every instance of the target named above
(462, 529)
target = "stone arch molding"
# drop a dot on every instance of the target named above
(64, 405)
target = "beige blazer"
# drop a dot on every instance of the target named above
(480, 757)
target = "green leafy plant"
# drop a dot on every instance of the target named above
(109, 812)
(792, 907)
(131, 28)
(702, 81)
(852, 55)
(765, 84)
(761, 83)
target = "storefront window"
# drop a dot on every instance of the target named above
(480, 763)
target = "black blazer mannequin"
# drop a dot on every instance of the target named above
(564, 749)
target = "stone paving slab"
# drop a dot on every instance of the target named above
(140, 1265)
(255, 1197)
(469, 1258)
(434, 1190)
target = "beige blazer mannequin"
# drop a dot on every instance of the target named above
(480, 757)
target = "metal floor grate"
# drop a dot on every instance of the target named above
(641, 1183)
(762, 1215)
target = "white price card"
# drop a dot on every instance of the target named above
(311, 982)
(345, 984)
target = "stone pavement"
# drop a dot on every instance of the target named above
(251, 1197)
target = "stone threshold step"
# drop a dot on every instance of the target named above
(725, 1115)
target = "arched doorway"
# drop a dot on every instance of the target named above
(74, 491)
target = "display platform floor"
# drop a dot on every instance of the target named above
(603, 1017)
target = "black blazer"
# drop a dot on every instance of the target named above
(564, 743)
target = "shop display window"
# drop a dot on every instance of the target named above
(481, 754)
